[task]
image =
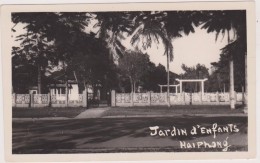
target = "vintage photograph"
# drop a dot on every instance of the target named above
(148, 81)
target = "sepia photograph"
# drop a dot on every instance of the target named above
(130, 81)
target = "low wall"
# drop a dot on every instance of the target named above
(45, 100)
(21, 100)
(152, 99)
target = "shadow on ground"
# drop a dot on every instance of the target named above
(111, 134)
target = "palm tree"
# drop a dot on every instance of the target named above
(144, 28)
(112, 26)
(165, 26)
(225, 22)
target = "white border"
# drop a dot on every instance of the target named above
(114, 1)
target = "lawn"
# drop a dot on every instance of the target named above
(46, 112)
(180, 110)
(173, 110)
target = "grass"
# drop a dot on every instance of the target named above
(46, 112)
(173, 110)
(71, 112)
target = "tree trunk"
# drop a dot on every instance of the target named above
(67, 91)
(168, 80)
(39, 80)
(232, 92)
(134, 87)
(231, 80)
(132, 90)
(246, 87)
(85, 86)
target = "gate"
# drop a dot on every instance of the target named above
(99, 100)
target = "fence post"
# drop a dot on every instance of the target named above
(183, 94)
(85, 98)
(201, 97)
(14, 100)
(113, 98)
(166, 98)
(217, 98)
(49, 99)
(67, 99)
(243, 96)
(31, 100)
(235, 95)
(132, 98)
(149, 98)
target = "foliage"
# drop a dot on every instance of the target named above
(220, 75)
(133, 65)
(90, 62)
(197, 72)
(52, 38)
(44, 41)
(222, 22)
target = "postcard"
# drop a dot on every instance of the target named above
(129, 81)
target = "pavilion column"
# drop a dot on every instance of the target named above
(160, 88)
(202, 91)
(176, 89)
(202, 87)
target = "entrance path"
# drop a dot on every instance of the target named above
(92, 113)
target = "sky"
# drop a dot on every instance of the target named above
(198, 47)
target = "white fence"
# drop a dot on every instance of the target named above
(148, 99)
(43, 100)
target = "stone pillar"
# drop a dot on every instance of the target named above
(113, 98)
(202, 91)
(31, 104)
(180, 86)
(183, 94)
(235, 97)
(66, 100)
(243, 96)
(132, 98)
(246, 87)
(202, 87)
(14, 100)
(166, 99)
(217, 98)
(85, 98)
(149, 98)
(49, 99)
(231, 89)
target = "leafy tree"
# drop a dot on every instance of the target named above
(224, 22)
(133, 65)
(196, 72)
(91, 63)
(219, 79)
(43, 41)
(155, 75)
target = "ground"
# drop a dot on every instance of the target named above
(127, 132)
(46, 112)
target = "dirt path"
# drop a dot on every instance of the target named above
(92, 113)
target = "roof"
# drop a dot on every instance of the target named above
(60, 77)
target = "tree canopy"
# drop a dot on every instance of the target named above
(52, 38)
